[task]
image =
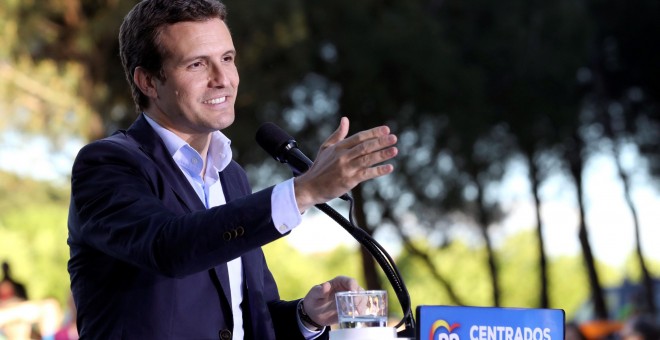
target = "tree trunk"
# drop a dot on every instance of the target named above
(647, 281)
(543, 264)
(428, 261)
(576, 166)
(484, 222)
(370, 271)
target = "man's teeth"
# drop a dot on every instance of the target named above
(216, 100)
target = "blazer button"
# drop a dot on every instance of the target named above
(224, 334)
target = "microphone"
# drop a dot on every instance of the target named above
(281, 146)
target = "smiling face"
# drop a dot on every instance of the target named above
(196, 91)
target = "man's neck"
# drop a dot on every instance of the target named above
(198, 141)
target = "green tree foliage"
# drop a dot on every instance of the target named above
(297, 272)
(38, 94)
(33, 235)
(466, 86)
(462, 263)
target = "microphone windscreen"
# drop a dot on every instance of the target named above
(271, 138)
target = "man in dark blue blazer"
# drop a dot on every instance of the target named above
(164, 231)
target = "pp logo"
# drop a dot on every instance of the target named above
(441, 330)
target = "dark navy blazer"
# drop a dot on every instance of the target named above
(148, 260)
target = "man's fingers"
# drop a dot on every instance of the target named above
(375, 157)
(339, 134)
(344, 162)
(326, 288)
(344, 283)
(366, 135)
(370, 149)
(377, 171)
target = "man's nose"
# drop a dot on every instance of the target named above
(218, 76)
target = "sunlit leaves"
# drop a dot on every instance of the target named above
(33, 236)
(41, 98)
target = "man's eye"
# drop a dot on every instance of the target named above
(197, 64)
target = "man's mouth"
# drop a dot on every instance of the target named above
(215, 101)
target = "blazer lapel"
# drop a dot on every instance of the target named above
(149, 141)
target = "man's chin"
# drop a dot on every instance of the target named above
(225, 121)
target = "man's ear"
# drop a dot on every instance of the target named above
(146, 82)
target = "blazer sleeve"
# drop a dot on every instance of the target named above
(125, 205)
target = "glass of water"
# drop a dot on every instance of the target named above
(360, 309)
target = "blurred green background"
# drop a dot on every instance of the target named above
(478, 92)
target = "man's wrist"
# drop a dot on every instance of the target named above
(306, 320)
(302, 198)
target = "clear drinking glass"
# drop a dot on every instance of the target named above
(360, 309)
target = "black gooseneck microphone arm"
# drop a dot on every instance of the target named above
(285, 150)
(386, 263)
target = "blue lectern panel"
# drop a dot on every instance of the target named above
(489, 323)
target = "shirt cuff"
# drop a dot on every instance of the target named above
(284, 208)
(307, 333)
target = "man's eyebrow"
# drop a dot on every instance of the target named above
(187, 60)
(206, 56)
(191, 58)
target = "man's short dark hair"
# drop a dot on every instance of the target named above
(139, 43)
